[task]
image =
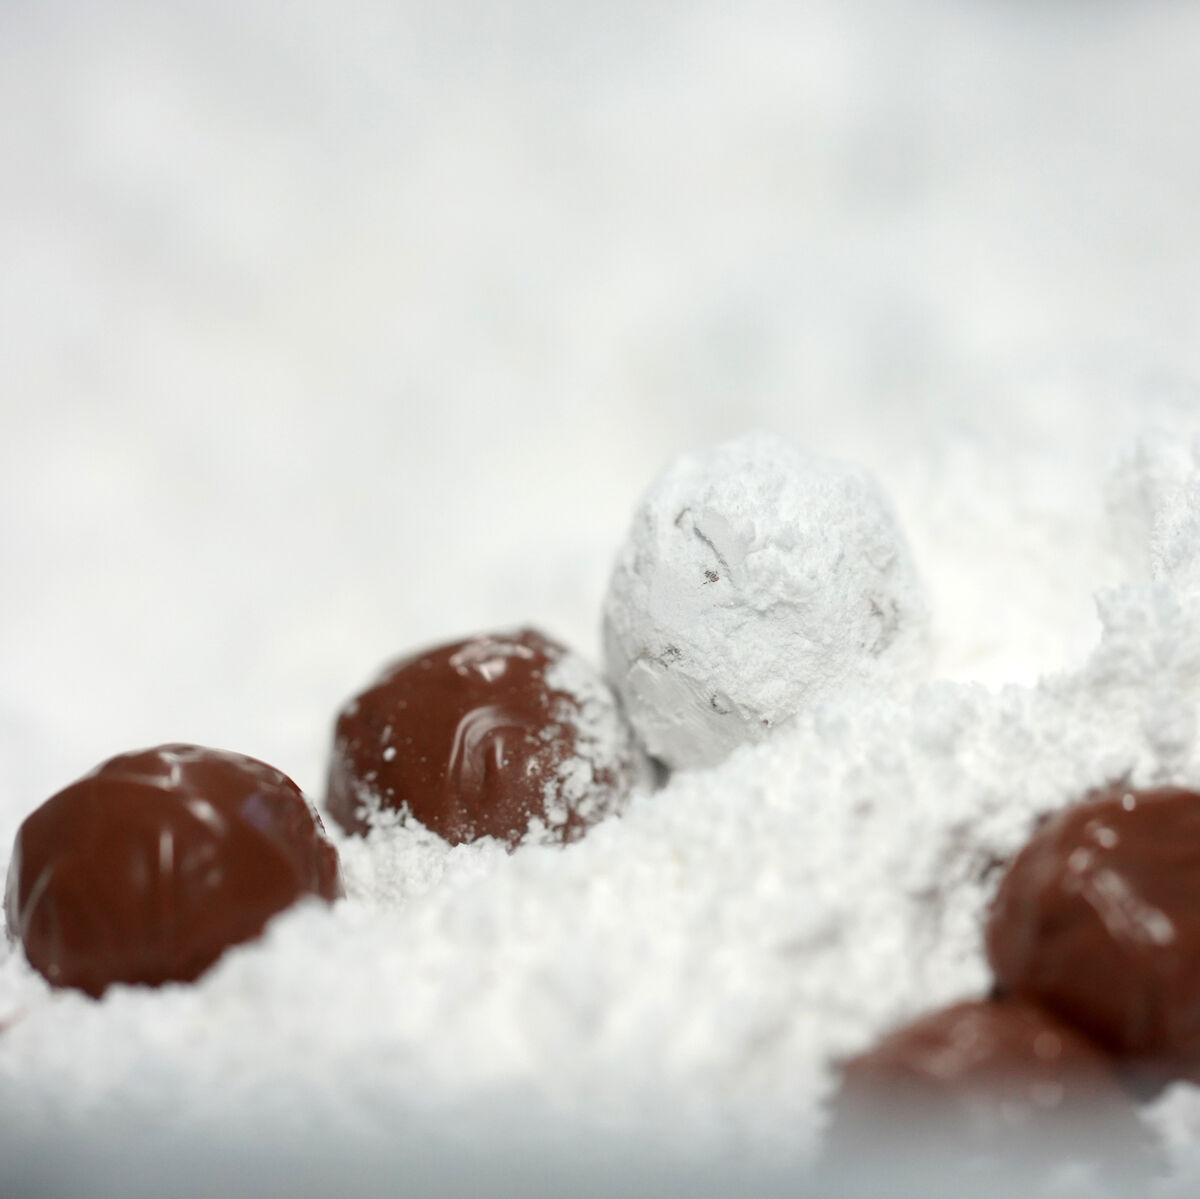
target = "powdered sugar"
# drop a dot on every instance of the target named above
(694, 967)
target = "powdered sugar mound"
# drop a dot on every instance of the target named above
(1174, 505)
(693, 969)
(1175, 1117)
(400, 860)
(756, 581)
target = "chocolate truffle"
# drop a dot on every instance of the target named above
(147, 869)
(997, 1080)
(509, 736)
(1098, 919)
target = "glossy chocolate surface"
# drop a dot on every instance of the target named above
(997, 1078)
(147, 869)
(1098, 919)
(473, 740)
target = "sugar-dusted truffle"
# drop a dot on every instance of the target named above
(507, 735)
(756, 581)
(150, 867)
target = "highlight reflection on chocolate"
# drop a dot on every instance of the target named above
(147, 869)
(1098, 918)
(477, 739)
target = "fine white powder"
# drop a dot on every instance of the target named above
(692, 970)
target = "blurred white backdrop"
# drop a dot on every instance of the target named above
(329, 330)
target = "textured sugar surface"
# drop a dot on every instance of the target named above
(757, 581)
(696, 966)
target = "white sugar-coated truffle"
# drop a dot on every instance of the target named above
(756, 581)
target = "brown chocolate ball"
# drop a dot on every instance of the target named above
(147, 869)
(509, 736)
(994, 1079)
(1098, 919)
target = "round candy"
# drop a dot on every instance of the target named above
(509, 736)
(1098, 918)
(757, 581)
(147, 869)
(993, 1079)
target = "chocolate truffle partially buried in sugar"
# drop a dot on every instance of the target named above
(509, 736)
(147, 869)
(997, 1081)
(1098, 918)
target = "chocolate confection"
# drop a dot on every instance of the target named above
(147, 869)
(1098, 919)
(998, 1080)
(509, 736)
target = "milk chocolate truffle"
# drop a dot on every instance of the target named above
(147, 869)
(1098, 918)
(994, 1079)
(509, 736)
